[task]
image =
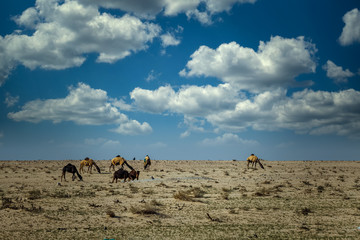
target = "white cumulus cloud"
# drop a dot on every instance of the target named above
(64, 32)
(351, 31)
(85, 106)
(275, 64)
(336, 72)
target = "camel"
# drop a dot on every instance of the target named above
(71, 169)
(147, 162)
(254, 160)
(119, 161)
(120, 174)
(88, 162)
(134, 175)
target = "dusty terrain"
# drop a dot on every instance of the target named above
(182, 200)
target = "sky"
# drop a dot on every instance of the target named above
(175, 79)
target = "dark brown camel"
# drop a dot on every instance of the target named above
(120, 174)
(134, 175)
(71, 169)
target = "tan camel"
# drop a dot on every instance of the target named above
(119, 161)
(253, 160)
(89, 163)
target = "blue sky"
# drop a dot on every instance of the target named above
(196, 79)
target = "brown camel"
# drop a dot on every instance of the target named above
(253, 160)
(120, 174)
(71, 169)
(119, 161)
(89, 163)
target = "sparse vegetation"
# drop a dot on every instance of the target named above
(230, 202)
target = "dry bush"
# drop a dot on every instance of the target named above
(155, 203)
(133, 189)
(320, 189)
(110, 213)
(190, 194)
(262, 192)
(183, 195)
(148, 191)
(305, 211)
(307, 183)
(148, 209)
(198, 192)
(60, 194)
(34, 194)
(226, 189)
(225, 195)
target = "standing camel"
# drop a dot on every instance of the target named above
(119, 161)
(253, 160)
(71, 169)
(88, 162)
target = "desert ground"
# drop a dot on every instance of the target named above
(182, 200)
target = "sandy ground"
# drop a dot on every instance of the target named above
(182, 200)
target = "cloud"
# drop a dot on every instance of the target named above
(193, 125)
(63, 33)
(150, 8)
(133, 127)
(336, 72)
(307, 111)
(84, 106)
(275, 64)
(10, 101)
(69, 31)
(227, 139)
(351, 31)
(189, 100)
(169, 39)
(152, 76)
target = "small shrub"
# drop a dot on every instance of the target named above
(155, 203)
(133, 189)
(148, 209)
(225, 195)
(60, 194)
(110, 213)
(305, 211)
(320, 189)
(34, 194)
(307, 183)
(182, 195)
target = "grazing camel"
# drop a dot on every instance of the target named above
(147, 162)
(253, 160)
(120, 174)
(88, 162)
(71, 169)
(119, 161)
(134, 175)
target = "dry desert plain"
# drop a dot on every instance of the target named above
(182, 200)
